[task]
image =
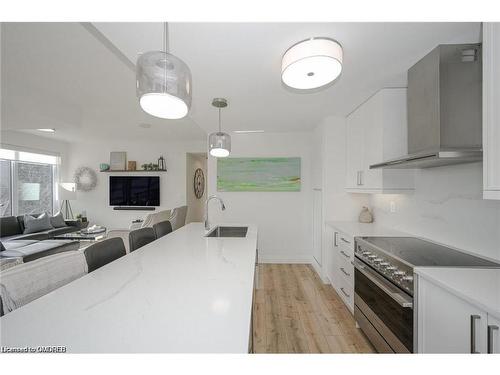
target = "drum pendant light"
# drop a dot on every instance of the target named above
(163, 83)
(219, 143)
(311, 63)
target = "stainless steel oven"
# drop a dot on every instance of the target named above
(383, 311)
(384, 286)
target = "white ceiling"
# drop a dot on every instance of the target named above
(85, 85)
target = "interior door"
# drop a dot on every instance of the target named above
(317, 225)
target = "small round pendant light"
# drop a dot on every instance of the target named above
(311, 63)
(163, 83)
(219, 143)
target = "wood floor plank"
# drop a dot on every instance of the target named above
(295, 312)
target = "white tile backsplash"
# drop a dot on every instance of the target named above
(447, 207)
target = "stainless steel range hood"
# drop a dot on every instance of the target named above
(444, 109)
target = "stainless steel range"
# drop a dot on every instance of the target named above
(384, 285)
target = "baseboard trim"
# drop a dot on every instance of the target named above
(319, 271)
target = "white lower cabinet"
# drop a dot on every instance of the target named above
(341, 268)
(449, 324)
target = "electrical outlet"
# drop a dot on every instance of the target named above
(393, 207)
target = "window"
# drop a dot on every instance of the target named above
(5, 189)
(26, 182)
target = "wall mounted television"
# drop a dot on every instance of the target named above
(134, 191)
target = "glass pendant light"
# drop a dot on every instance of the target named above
(219, 143)
(311, 63)
(163, 83)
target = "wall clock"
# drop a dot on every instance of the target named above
(199, 183)
(85, 179)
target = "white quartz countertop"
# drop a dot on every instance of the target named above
(478, 286)
(181, 293)
(357, 229)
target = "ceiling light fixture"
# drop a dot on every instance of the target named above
(219, 143)
(163, 83)
(311, 63)
(47, 130)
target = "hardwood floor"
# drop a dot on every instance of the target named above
(294, 312)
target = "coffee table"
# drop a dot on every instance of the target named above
(84, 238)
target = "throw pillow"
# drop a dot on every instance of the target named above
(36, 224)
(57, 221)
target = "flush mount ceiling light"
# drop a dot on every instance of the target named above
(163, 83)
(311, 63)
(47, 130)
(219, 143)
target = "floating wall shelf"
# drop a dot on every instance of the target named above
(137, 170)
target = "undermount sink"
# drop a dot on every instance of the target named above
(228, 232)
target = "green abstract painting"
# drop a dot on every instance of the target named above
(258, 174)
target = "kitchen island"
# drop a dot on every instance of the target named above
(181, 293)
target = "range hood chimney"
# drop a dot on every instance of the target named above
(444, 109)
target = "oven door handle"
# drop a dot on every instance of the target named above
(402, 299)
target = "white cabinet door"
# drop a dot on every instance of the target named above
(354, 151)
(447, 323)
(317, 226)
(493, 335)
(376, 132)
(491, 110)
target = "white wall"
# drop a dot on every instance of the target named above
(447, 207)
(283, 218)
(96, 202)
(195, 205)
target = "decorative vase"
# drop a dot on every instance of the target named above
(161, 164)
(104, 167)
(365, 216)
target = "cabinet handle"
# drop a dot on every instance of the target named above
(335, 239)
(343, 239)
(361, 177)
(345, 273)
(473, 319)
(345, 294)
(490, 338)
(358, 179)
(344, 254)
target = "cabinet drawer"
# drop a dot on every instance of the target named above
(346, 293)
(345, 251)
(345, 268)
(342, 239)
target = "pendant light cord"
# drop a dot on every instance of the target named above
(165, 46)
(165, 36)
(219, 122)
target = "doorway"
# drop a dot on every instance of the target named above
(196, 185)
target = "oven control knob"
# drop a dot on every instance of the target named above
(400, 274)
(408, 278)
(372, 257)
(377, 260)
(384, 264)
(391, 269)
(366, 253)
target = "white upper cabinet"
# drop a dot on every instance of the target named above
(377, 131)
(491, 110)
